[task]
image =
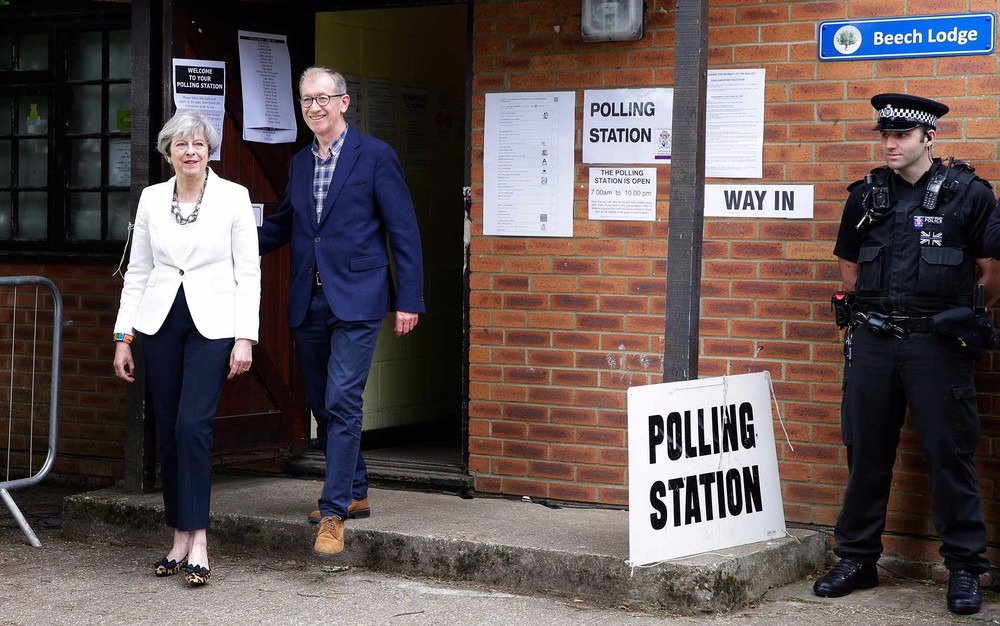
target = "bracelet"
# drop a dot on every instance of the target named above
(124, 337)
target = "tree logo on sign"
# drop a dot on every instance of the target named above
(848, 38)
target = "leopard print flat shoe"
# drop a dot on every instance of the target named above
(196, 575)
(163, 567)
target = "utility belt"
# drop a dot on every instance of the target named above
(972, 328)
(896, 325)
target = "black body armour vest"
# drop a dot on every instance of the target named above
(916, 260)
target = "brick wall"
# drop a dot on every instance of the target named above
(90, 426)
(561, 327)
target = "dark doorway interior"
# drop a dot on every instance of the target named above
(407, 72)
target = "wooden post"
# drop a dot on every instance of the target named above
(687, 193)
(147, 52)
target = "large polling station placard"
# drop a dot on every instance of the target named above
(703, 472)
(627, 125)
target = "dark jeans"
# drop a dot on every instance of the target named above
(336, 356)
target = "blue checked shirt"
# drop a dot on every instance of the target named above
(323, 171)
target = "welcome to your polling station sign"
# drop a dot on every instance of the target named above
(901, 37)
(703, 472)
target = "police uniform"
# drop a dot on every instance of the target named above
(914, 259)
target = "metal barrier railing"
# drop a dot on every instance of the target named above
(30, 319)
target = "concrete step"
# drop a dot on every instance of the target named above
(398, 473)
(569, 552)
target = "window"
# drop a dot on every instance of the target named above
(65, 141)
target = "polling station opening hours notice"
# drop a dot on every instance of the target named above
(528, 164)
(703, 470)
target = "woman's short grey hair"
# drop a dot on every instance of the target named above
(184, 123)
(339, 84)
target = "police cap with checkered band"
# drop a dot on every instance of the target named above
(901, 112)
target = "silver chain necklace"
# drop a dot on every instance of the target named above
(175, 206)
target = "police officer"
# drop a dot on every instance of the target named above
(910, 246)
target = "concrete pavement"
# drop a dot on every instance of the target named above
(97, 567)
(66, 582)
(515, 545)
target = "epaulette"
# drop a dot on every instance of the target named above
(949, 179)
(968, 167)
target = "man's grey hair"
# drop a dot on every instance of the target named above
(339, 84)
(184, 123)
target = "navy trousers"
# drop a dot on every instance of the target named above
(934, 376)
(336, 356)
(185, 373)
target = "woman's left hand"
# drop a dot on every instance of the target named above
(240, 358)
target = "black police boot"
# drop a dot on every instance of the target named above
(964, 596)
(845, 577)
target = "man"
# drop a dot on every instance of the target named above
(346, 195)
(910, 246)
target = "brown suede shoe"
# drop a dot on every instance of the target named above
(359, 509)
(330, 539)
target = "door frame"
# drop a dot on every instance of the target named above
(152, 54)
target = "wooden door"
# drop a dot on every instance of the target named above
(263, 415)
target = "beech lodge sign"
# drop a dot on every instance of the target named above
(703, 472)
(902, 37)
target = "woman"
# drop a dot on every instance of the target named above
(192, 297)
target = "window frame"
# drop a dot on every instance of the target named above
(54, 82)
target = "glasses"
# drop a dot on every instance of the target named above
(322, 100)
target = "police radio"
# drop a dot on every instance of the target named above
(939, 182)
(933, 189)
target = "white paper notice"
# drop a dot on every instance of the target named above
(416, 128)
(120, 162)
(447, 119)
(627, 125)
(622, 194)
(734, 124)
(528, 164)
(201, 85)
(355, 113)
(381, 111)
(266, 77)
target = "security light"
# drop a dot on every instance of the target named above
(612, 20)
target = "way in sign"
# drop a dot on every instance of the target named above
(757, 200)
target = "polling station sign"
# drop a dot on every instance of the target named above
(703, 473)
(628, 125)
(902, 37)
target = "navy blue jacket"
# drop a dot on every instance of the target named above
(368, 203)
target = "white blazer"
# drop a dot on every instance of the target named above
(214, 257)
